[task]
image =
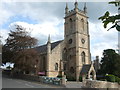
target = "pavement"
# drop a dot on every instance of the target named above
(73, 84)
(8, 82)
(18, 83)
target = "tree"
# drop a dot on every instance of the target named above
(27, 60)
(18, 49)
(110, 63)
(19, 39)
(114, 19)
(7, 55)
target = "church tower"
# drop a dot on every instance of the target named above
(76, 38)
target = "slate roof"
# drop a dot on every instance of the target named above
(85, 69)
(43, 48)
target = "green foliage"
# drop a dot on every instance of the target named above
(112, 78)
(59, 76)
(71, 78)
(80, 78)
(110, 63)
(117, 79)
(114, 19)
(18, 49)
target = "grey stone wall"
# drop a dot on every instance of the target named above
(42, 79)
(100, 84)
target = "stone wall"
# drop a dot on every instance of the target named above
(42, 79)
(100, 84)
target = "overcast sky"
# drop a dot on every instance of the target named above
(42, 19)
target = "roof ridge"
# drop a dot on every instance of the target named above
(51, 43)
(43, 48)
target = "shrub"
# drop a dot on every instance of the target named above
(110, 78)
(117, 79)
(101, 77)
(59, 76)
(80, 78)
(70, 78)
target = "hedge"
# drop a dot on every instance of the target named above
(112, 78)
(71, 78)
(80, 78)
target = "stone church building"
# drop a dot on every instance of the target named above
(71, 56)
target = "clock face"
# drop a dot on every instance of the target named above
(83, 41)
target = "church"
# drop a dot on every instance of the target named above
(71, 56)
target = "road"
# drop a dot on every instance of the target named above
(17, 83)
(8, 82)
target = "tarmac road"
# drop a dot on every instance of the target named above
(17, 83)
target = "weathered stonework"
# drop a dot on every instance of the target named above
(70, 54)
(100, 84)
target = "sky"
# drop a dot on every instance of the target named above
(44, 18)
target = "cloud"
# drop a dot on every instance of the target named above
(50, 20)
(41, 31)
(102, 39)
(36, 11)
(4, 35)
(97, 9)
(4, 15)
(44, 11)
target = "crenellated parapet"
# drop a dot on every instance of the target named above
(75, 10)
(71, 12)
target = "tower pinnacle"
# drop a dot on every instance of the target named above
(66, 9)
(76, 5)
(49, 40)
(85, 8)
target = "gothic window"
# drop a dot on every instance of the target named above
(87, 27)
(43, 63)
(70, 57)
(65, 54)
(82, 20)
(72, 70)
(71, 26)
(65, 50)
(83, 57)
(65, 67)
(56, 66)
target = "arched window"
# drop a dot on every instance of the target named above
(56, 66)
(72, 70)
(82, 20)
(64, 54)
(64, 66)
(70, 57)
(83, 57)
(64, 50)
(43, 63)
(71, 26)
